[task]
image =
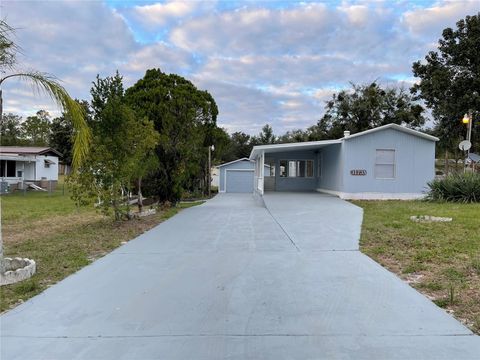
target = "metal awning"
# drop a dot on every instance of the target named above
(49, 162)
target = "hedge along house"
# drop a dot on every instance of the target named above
(237, 176)
(29, 164)
(387, 162)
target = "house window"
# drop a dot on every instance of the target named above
(47, 163)
(385, 164)
(296, 168)
(283, 168)
(292, 168)
(19, 173)
(7, 168)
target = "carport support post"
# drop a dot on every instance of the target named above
(262, 173)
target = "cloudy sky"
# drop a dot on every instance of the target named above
(264, 62)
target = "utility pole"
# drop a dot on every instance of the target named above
(468, 120)
(209, 185)
(210, 149)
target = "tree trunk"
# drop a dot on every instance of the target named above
(140, 201)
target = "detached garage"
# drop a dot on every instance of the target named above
(237, 176)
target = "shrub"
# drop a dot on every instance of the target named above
(456, 188)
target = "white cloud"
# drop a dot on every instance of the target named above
(256, 31)
(262, 64)
(160, 14)
(430, 21)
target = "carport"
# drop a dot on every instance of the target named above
(294, 167)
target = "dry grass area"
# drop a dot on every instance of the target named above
(441, 260)
(61, 238)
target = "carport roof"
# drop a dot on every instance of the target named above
(308, 145)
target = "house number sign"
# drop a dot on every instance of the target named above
(358, 172)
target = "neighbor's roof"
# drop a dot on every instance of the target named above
(309, 145)
(29, 150)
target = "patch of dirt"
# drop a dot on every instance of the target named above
(18, 232)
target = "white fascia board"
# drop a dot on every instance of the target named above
(395, 127)
(257, 150)
(233, 162)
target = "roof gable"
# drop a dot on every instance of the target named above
(394, 127)
(234, 161)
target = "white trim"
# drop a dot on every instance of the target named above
(291, 146)
(373, 195)
(226, 175)
(394, 165)
(234, 161)
(392, 126)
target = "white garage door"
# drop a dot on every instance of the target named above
(239, 181)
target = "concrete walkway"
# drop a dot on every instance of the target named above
(232, 279)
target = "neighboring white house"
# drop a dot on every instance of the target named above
(36, 165)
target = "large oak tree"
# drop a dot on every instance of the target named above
(450, 81)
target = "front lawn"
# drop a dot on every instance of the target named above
(441, 260)
(60, 237)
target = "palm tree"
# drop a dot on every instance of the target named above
(46, 84)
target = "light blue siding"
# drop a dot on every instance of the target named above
(239, 165)
(414, 162)
(293, 183)
(331, 158)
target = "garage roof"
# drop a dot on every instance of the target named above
(234, 161)
(242, 159)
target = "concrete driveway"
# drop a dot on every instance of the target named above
(235, 279)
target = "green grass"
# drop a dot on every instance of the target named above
(446, 255)
(61, 238)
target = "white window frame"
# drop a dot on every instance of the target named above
(394, 164)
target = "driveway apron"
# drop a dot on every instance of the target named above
(238, 278)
